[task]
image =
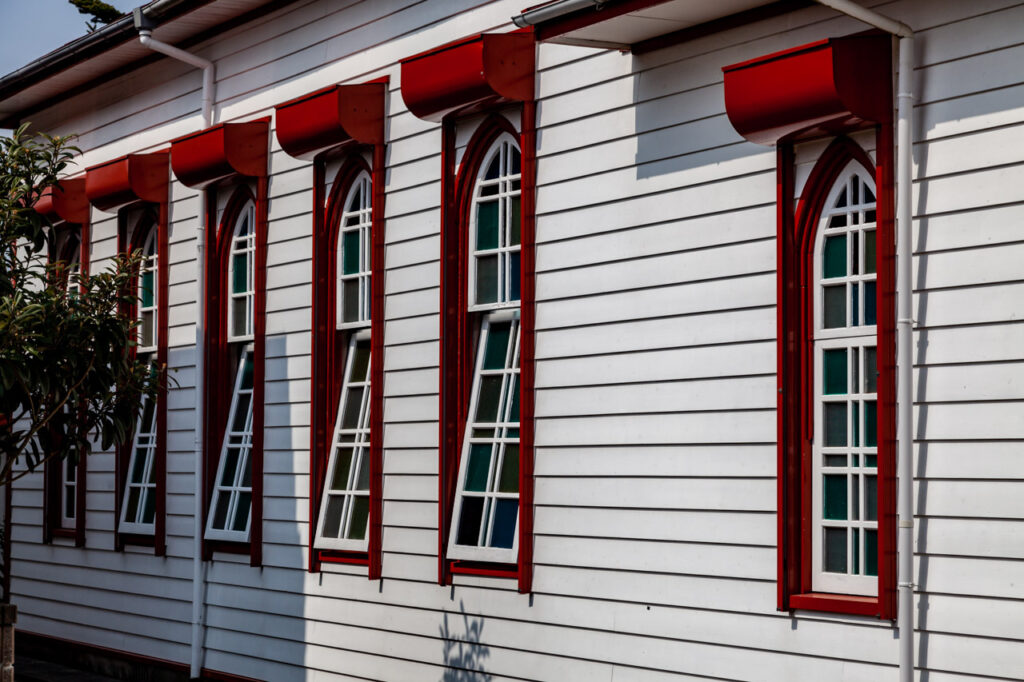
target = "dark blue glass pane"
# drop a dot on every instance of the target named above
(505, 514)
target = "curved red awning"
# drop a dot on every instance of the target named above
(824, 88)
(66, 201)
(469, 74)
(226, 149)
(328, 117)
(131, 178)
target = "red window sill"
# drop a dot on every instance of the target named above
(479, 568)
(228, 547)
(327, 556)
(63, 533)
(137, 539)
(837, 603)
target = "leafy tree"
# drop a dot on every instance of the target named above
(101, 12)
(67, 377)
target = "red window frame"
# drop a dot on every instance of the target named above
(796, 403)
(331, 344)
(127, 242)
(220, 365)
(459, 328)
(52, 493)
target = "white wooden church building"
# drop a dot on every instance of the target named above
(568, 347)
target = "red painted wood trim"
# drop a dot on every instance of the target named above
(66, 201)
(823, 88)
(127, 180)
(213, 381)
(220, 152)
(67, 651)
(259, 369)
(837, 603)
(472, 74)
(378, 270)
(82, 485)
(331, 116)
(590, 16)
(448, 422)
(320, 351)
(489, 570)
(788, 385)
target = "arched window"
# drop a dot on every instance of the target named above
(486, 513)
(231, 504)
(345, 507)
(845, 446)
(138, 508)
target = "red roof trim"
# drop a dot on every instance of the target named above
(824, 88)
(221, 151)
(66, 201)
(129, 179)
(331, 116)
(469, 74)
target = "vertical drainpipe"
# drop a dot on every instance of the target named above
(904, 322)
(145, 28)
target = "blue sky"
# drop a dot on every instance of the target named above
(30, 29)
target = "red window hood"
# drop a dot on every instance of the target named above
(65, 202)
(469, 74)
(331, 116)
(129, 179)
(219, 152)
(823, 88)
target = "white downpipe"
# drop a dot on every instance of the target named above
(198, 566)
(904, 321)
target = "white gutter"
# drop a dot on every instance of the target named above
(198, 565)
(553, 10)
(904, 322)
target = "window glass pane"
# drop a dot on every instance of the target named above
(834, 497)
(837, 220)
(490, 390)
(239, 318)
(869, 252)
(147, 288)
(514, 411)
(514, 166)
(515, 221)
(871, 461)
(841, 200)
(350, 252)
(133, 504)
(855, 191)
(856, 424)
(870, 303)
(870, 369)
(835, 306)
(835, 550)
(227, 478)
(220, 514)
(361, 360)
(363, 475)
(834, 362)
(834, 261)
(870, 423)
(246, 469)
(146, 329)
(835, 460)
(332, 515)
(871, 552)
(514, 276)
(350, 301)
(469, 521)
(505, 514)
(487, 279)
(855, 496)
(360, 514)
(242, 511)
(355, 200)
(239, 274)
(497, 345)
(869, 216)
(854, 304)
(350, 419)
(483, 433)
(479, 467)
(835, 424)
(489, 190)
(247, 369)
(871, 498)
(487, 225)
(342, 462)
(149, 507)
(509, 480)
(493, 170)
(869, 196)
(241, 412)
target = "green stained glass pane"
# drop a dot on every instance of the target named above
(497, 345)
(486, 225)
(508, 482)
(834, 261)
(479, 466)
(332, 516)
(148, 506)
(834, 497)
(835, 550)
(515, 221)
(835, 424)
(239, 273)
(871, 552)
(870, 423)
(856, 424)
(353, 402)
(513, 433)
(469, 521)
(350, 300)
(487, 279)
(870, 265)
(360, 515)
(241, 519)
(834, 306)
(870, 303)
(871, 498)
(834, 363)
(871, 461)
(360, 361)
(870, 369)
(856, 551)
(490, 393)
(350, 252)
(147, 287)
(342, 462)
(505, 514)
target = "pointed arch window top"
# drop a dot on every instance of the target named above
(824, 88)
(217, 153)
(129, 179)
